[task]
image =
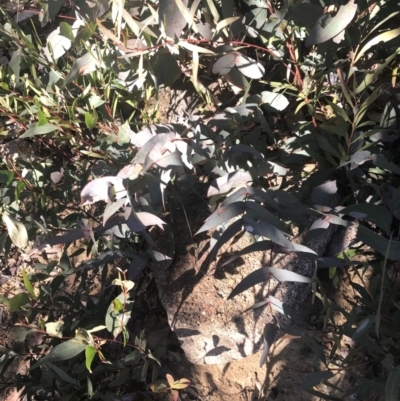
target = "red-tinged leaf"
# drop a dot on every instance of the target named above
(267, 230)
(376, 214)
(224, 184)
(158, 387)
(337, 220)
(249, 67)
(103, 189)
(175, 395)
(181, 384)
(224, 64)
(328, 27)
(170, 379)
(57, 175)
(276, 304)
(264, 274)
(320, 223)
(149, 219)
(222, 215)
(317, 228)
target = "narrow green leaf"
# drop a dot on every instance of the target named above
(42, 120)
(365, 105)
(35, 129)
(264, 274)
(66, 30)
(328, 27)
(383, 37)
(376, 214)
(381, 293)
(379, 243)
(339, 111)
(64, 376)
(370, 78)
(314, 379)
(6, 177)
(15, 64)
(90, 388)
(381, 162)
(314, 346)
(90, 353)
(89, 121)
(28, 285)
(18, 300)
(62, 352)
(392, 386)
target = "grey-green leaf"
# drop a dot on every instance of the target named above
(264, 274)
(171, 18)
(35, 129)
(376, 214)
(328, 27)
(17, 231)
(63, 375)
(379, 243)
(392, 386)
(62, 352)
(274, 101)
(18, 300)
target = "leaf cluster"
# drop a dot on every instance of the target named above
(84, 158)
